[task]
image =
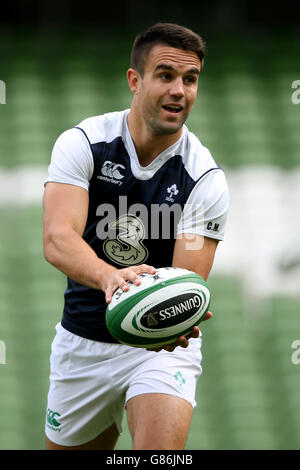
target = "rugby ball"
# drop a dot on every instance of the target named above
(163, 307)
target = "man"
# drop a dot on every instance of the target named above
(108, 178)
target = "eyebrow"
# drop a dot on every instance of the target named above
(169, 67)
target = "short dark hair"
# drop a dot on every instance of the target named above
(170, 34)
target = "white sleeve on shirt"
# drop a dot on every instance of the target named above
(205, 211)
(71, 160)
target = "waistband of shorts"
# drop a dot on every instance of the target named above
(119, 348)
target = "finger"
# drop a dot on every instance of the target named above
(195, 332)
(145, 268)
(167, 347)
(130, 275)
(183, 341)
(155, 349)
(207, 316)
(123, 285)
(171, 347)
(108, 295)
(111, 289)
(110, 292)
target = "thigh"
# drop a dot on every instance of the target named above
(159, 421)
(172, 373)
(82, 401)
(161, 397)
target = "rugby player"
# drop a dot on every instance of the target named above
(107, 177)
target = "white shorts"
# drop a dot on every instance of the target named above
(90, 382)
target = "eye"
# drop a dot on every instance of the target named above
(190, 79)
(166, 76)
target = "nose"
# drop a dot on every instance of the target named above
(176, 88)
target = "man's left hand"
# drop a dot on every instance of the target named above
(182, 341)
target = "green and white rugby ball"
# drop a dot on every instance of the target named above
(163, 307)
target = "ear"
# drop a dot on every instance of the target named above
(133, 78)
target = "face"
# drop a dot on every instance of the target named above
(166, 93)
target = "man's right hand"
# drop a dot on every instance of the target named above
(117, 278)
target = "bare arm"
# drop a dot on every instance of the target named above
(65, 216)
(195, 253)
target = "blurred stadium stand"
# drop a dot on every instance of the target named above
(216, 16)
(62, 68)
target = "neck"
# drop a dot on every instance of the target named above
(147, 144)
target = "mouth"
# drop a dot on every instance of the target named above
(173, 108)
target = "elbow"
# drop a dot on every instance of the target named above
(49, 251)
(51, 247)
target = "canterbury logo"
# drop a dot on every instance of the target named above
(111, 170)
(51, 418)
